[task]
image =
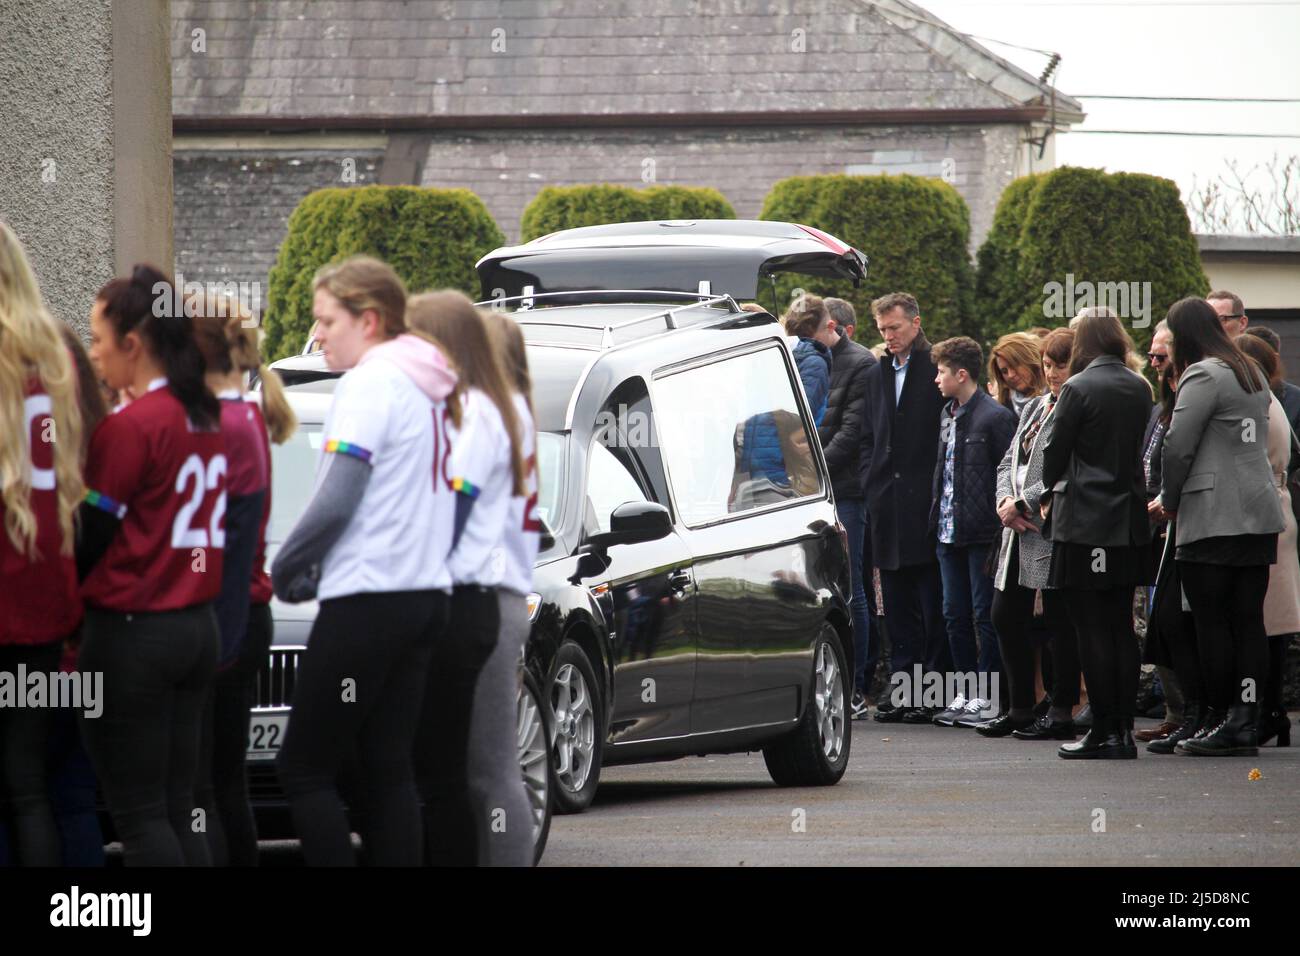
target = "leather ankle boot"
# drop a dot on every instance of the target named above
(1277, 724)
(1108, 739)
(1236, 736)
(1210, 718)
(1192, 716)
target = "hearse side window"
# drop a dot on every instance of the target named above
(624, 462)
(733, 437)
(610, 482)
(628, 410)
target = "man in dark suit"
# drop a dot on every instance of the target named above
(900, 438)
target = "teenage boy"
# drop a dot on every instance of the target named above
(975, 431)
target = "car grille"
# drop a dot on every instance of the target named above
(264, 783)
(277, 676)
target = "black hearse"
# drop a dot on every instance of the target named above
(691, 596)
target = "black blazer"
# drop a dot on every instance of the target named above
(897, 459)
(1093, 460)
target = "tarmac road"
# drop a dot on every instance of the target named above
(939, 796)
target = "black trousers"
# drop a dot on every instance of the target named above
(24, 745)
(358, 692)
(443, 740)
(1228, 607)
(158, 670)
(223, 780)
(914, 621)
(1013, 618)
(1108, 649)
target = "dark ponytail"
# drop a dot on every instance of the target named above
(148, 303)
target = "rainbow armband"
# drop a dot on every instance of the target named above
(106, 504)
(347, 448)
(466, 488)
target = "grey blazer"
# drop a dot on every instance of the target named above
(1215, 470)
(1035, 550)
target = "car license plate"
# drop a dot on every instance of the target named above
(266, 735)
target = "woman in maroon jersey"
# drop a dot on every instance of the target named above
(227, 337)
(40, 488)
(150, 561)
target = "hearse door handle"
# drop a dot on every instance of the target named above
(680, 580)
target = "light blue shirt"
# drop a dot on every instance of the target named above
(900, 375)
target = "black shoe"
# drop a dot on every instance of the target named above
(1041, 708)
(921, 715)
(1109, 739)
(894, 715)
(1209, 719)
(1275, 724)
(1003, 725)
(1045, 728)
(1193, 717)
(1083, 719)
(1236, 736)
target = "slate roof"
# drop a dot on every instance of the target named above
(344, 59)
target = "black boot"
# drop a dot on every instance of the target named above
(1236, 736)
(1109, 739)
(1275, 724)
(1210, 718)
(1192, 716)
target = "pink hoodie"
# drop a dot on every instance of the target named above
(420, 360)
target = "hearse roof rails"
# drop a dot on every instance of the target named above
(671, 318)
(597, 296)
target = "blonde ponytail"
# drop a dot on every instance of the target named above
(281, 422)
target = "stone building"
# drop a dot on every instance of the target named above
(275, 98)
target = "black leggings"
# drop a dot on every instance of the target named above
(1228, 607)
(157, 673)
(223, 781)
(24, 744)
(452, 818)
(358, 694)
(1108, 649)
(1013, 618)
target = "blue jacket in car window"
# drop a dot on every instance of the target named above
(760, 450)
(814, 362)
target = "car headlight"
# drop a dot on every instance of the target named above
(534, 605)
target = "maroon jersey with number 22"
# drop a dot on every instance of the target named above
(166, 482)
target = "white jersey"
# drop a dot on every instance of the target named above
(480, 468)
(523, 527)
(400, 534)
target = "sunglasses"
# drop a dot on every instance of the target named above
(1157, 357)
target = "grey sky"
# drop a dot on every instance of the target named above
(1230, 48)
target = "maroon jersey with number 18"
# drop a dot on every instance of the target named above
(166, 482)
